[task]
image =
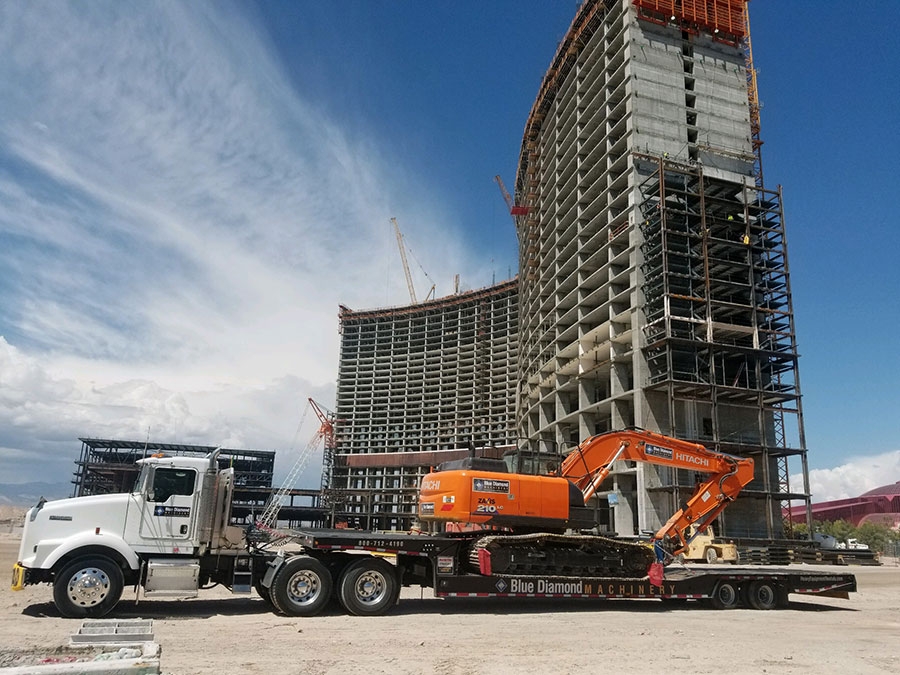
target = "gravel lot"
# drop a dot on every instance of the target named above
(218, 633)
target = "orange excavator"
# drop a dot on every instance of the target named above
(539, 518)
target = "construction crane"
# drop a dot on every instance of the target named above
(402, 246)
(269, 517)
(409, 282)
(514, 210)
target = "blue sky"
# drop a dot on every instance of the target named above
(188, 191)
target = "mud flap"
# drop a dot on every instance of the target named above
(274, 566)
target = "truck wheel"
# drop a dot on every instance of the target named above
(89, 587)
(369, 587)
(302, 587)
(711, 556)
(762, 594)
(725, 596)
(263, 592)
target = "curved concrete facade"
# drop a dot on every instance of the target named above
(637, 172)
(416, 385)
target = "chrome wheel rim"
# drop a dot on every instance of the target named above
(304, 587)
(88, 587)
(371, 587)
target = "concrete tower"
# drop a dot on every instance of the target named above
(654, 287)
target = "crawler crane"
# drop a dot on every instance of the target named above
(542, 516)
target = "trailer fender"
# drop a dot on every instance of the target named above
(90, 544)
(273, 566)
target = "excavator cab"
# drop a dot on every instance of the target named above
(481, 491)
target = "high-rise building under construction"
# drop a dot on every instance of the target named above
(417, 386)
(653, 290)
(653, 281)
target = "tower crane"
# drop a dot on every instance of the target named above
(409, 282)
(402, 246)
(513, 209)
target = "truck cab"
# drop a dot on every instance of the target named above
(90, 547)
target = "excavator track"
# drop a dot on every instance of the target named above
(563, 555)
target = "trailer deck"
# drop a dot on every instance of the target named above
(439, 562)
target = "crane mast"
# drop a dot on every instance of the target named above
(402, 246)
(269, 517)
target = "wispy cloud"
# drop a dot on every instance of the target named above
(179, 225)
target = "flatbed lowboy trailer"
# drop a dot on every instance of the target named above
(356, 565)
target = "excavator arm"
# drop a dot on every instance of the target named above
(590, 463)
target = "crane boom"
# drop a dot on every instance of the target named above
(402, 246)
(269, 517)
(505, 193)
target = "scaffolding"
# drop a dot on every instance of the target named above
(109, 466)
(719, 331)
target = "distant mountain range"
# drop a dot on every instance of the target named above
(28, 494)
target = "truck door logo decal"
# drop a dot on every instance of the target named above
(172, 511)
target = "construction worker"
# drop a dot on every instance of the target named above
(746, 239)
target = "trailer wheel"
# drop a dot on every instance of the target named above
(763, 594)
(89, 587)
(725, 596)
(302, 587)
(369, 587)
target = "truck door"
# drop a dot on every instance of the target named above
(169, 507)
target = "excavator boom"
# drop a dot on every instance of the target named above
(590, 463)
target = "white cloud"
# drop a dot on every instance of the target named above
(42, 417)
(179, 226)
(854, 477)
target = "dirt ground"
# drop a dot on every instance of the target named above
(219, 633)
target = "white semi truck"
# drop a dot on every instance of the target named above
(171, 535)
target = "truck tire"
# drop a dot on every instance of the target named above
(302, 587)
(369, 587)
(263, 592)
(88, 587)
(725, 596)
(711, 556)
(764, 594)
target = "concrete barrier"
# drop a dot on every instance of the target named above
(143, 660)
